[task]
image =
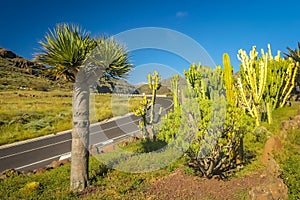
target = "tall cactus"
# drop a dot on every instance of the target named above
(228, 73)
(153, 82)
(195, 80)
(252, 82)
(174, 85)
(280, 82)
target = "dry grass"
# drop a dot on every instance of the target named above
(29, 114)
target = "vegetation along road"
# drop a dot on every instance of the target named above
(32, 154)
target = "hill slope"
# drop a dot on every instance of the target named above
(19, 73)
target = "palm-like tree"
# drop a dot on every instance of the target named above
(77, 57)
(295, 55)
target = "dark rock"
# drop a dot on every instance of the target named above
(9, 172)
(285, 125)
(4, 53)
(40, 170)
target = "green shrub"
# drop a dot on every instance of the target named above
(189, 170)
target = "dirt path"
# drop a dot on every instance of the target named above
(183, 186)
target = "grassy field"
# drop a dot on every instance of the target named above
(29, 114)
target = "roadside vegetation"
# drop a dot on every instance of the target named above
(29, 114)
(107, 183)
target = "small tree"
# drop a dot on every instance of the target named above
(295, 55)
(69, 50)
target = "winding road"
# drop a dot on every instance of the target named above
(35, 153)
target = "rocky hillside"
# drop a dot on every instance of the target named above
(19, 73)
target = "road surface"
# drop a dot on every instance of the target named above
(39, 152)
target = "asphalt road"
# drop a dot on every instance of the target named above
(32, 154)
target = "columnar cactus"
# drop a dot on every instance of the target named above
(280, 82)
(153, 82)
(228, 70)
(174, 85)
(252, 82)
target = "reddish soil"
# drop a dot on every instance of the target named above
(266, 182)
(179, 185)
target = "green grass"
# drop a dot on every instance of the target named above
(289, 156)
(254, 142)
(53, 184)
(281, 114)
(29, 114)
(107, 183)
(289, 160)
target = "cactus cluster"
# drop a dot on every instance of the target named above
(205, 82)
(215, 125)
(252, 82)
(193, 78)
(265, 83)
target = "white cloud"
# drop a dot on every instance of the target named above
(181, 14)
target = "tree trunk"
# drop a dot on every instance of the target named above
(81, 125)
(80, 135)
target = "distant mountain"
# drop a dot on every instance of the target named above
(144, 89)
(120, 86)
(167, 82)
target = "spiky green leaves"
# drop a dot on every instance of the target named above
(65, 47)
(294, 54)
(112, 56)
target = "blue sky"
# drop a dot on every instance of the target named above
(219, 26)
